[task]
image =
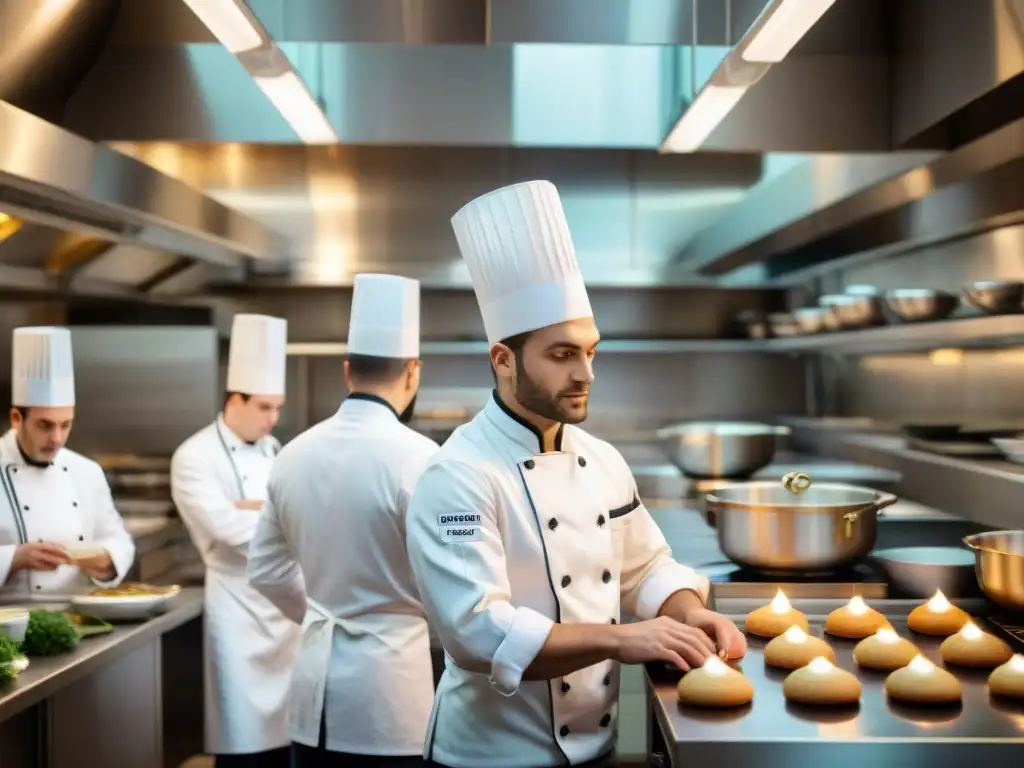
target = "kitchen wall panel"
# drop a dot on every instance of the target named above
(632, 395)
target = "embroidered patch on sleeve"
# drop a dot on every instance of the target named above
(459, 527)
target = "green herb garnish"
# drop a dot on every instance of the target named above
(49, 633)
(9, 653)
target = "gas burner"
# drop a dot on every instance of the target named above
(730, 580)
(728, 572)
(1011, 626)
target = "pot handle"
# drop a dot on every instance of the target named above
(883, 501)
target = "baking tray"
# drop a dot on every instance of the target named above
(771, 731)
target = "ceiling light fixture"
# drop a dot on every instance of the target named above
(789, 21)
(228, 23)
(703, 115)
(288, 93)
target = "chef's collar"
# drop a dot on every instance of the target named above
(12, 439)
(364, 402)
(516, 428)
(231, 439)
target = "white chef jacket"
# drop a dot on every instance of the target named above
(334, 528)
(249, 644)
(505, 542)
(67, 502)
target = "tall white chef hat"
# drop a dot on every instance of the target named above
(42, 368)
(256, 360)
(517, 246)
(385, 317)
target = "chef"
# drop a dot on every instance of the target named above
(527, 535)
(219, 482)
(60, 534)
(330, 550)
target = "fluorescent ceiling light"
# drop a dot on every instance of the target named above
(288, 93)
(228, 24)
(789, 22)
(704, 114)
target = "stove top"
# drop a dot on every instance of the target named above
(731, 580)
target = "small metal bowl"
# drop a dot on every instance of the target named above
(918, 305)
(783, 325)
(813, 319)
(995, 297)
(851, 310)
(754, 324)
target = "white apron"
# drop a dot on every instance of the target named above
(505, 542)
(249, 645)
(67, 503)
(333, 527)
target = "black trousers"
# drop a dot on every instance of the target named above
(606, 761)
(320, 757)
(274, 758)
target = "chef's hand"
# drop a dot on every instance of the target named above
(729, 641)
(99, 567)
(39, 556)
(663, 639)
(254, 506)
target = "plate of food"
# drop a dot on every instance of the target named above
(130, 600)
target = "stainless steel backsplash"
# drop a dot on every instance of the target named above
(949, 386)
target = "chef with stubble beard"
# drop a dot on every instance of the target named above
(527, 535)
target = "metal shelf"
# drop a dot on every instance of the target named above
(635, 346)
(1001, 330)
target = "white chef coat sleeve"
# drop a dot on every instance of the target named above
(6, 560)
(109, 531)
(464, 584)
(272, 569)
(204, 506)
(649, 574)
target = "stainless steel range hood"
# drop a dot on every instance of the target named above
(50, 176)
(831, 208)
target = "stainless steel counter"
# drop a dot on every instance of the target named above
(989, 492)
(771, 731)
(44, 675)
(127, 699)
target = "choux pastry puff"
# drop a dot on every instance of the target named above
(822, 683)
(885, 651)
(1008, 679)
(970, 647)
(855, 620)
(921, 682)
(794, 648)
(938, 617)
(715, 684)
(775, 618)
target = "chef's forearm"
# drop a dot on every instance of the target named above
(680, 603)
(571, 647)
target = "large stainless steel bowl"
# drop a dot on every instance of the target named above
(709, 449)
(762, 525)
(999, 566)
(917, 305)
(853, 310)
(995, 297)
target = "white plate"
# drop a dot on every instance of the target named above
(124, 607)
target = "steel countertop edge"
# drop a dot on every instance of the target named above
(47, 675)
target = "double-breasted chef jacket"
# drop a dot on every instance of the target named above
(505, 541)
(249, 644)
(67, 502)
(333, 528)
